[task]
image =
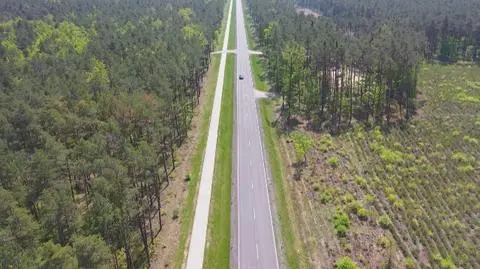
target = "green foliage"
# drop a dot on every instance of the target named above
(384, 221)
(363, 213)
(409, 263)
(462, 157)
(391, 156)
(92, 252)
(345, 263)
(341, 223)
(465, 98)
(54, 256)
(384, 241)
(303, 144)
(326, 196)
(333, 161)
(447, 263)
(96, 99)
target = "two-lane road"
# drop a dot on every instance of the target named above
(255, 235)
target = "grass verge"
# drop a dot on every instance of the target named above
(257, 70)
(217, 252)
(197, 160)
(232, 38)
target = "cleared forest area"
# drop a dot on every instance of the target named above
(410, 195)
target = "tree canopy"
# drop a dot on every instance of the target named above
(95, 98)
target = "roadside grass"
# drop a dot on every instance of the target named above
(232, 38)
(217, 252)
(293, 248)
(197, 160)
(258, 73)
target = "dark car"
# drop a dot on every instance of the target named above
(240, 77)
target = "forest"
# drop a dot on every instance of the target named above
(377, 128)
(95, 98)
(360, 60)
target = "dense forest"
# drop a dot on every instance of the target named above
(358, 60)
(95, 97)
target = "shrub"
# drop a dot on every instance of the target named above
(462, 157)
(333, 161)
(465, 168)
(341, 223)
(370, 198)
(384, 241)
(409, 263)
(447, 263)
(470, 140)
(363, 213)
(345, 263)
(390, 156)
(362, 182)
(326, 196)
(187, 178)
(316, 187)
(384, 221)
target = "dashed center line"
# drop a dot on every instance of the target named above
(258, 256)
(253, 213)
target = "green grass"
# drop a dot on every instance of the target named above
(217, 252)
(232, 38)
(293, 249)
(197, 160)
(258, 72)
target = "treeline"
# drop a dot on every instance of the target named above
(95, 97)
(450, 29)
(331, 76)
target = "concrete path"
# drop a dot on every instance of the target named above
(200, 222)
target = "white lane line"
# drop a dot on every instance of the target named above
(254, 213)
(252, 186)
(249, 142)
(258, 256)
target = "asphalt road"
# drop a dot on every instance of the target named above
(256, 240)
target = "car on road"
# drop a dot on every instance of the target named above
(240, 77)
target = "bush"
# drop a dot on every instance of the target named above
(345, 263)
(384, 241)
(326, 197)
(188, 178)
(447, 263)
(316, 187)
(409, 263)
(465, 168)
(333, 161)
(391, 156)
(363, 213)
(341, 223)
(384, 221)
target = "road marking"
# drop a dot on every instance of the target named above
(258, 256)
(249, 142)
(252, 186)
(254, 213)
